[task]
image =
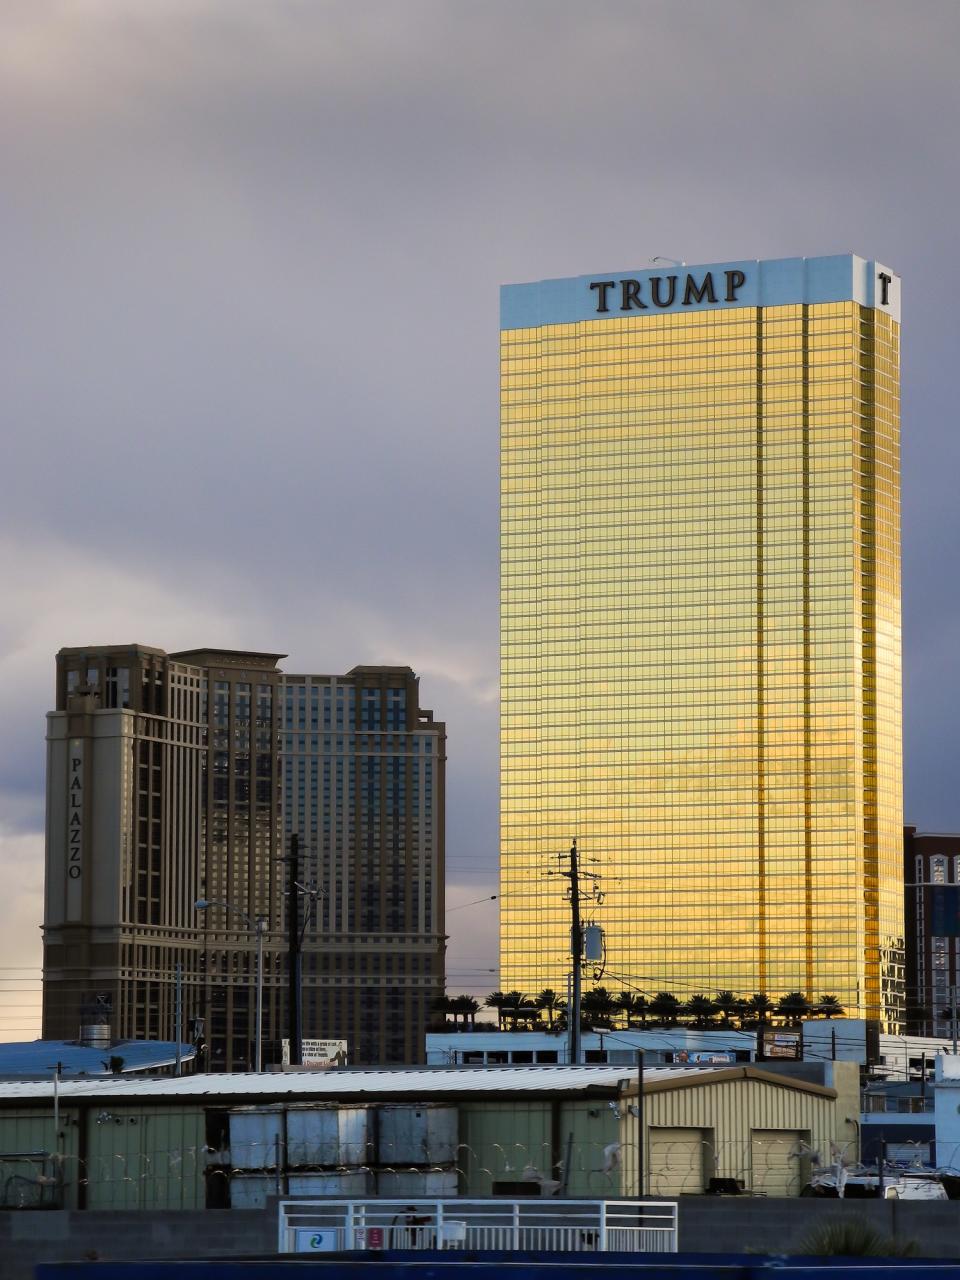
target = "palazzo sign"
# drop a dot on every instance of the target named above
(74, 826)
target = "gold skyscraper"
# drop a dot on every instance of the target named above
(700, 627)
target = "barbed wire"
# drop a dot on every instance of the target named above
(780, 1166)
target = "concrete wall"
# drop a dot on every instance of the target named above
(707, 1225)
(28, 1237)
(776, 1226)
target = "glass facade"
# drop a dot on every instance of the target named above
(359, 759)
(700, 633)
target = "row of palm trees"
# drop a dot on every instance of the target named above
(602, 1008)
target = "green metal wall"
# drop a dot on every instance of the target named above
(145, 1157)
(153, 1157)
(31, 1129)
(499, 1140)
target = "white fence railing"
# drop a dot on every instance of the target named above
(561, 1226)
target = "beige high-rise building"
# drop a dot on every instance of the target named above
(173, 778)
(700, 623)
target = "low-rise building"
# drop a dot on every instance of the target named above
(736, 1128)
(897, 1123)
(230, 1140)
(660, 1046)
(946, 1111)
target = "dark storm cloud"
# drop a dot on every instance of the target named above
(250, 258)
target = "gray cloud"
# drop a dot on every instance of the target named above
(250, 258)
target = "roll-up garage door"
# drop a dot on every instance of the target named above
(778, 1167)
(675, 1161)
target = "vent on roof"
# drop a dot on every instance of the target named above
(96, 1009)
(95, 1035)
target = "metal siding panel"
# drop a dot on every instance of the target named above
(411, 1134)
(499, 1141)
(32, 1130)
(313, 1137)
(174, 1144)
(593, 1127)
(145, 1158)
(417, 1182)
(254, 1136)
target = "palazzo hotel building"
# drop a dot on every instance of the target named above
(175, 777)
(700, 626)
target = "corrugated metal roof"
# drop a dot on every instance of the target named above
(346, 1084)
(677, 1078)
(39, 1058)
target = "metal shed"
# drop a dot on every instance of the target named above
(756, 1130)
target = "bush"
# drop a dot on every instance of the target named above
(852, 1238)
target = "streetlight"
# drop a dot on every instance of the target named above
(259, 927)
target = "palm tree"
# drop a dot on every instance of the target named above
(634, 1008)
(830, 1007)
(760, 1006)
(701, 1008)
(497, 1000)
(793, 1007)
(464, 1007)
(641, 1010)
(527, 1012)
(599, 1006)
(665, 1007)
(728, 1006)
(550, 1003)
(513, 1007)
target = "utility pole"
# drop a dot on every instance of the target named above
(576, 954)
(577, 934)
(178, 1014)
(294, 1024)
(261, 925)
(639, 1124)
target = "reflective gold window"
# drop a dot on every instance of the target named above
(700, 632)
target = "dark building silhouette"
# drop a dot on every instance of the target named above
(178, 777)
(931, 877)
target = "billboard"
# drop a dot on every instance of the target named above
(319, 1055)
(780, 1044)
(715, 1057)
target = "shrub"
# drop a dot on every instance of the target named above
(852, 1238)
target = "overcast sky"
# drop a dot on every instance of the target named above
(249, 263)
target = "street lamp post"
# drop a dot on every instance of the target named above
(257, 926)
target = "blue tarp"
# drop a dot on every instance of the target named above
(37, 1059)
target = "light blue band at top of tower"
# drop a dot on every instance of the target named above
(706, 287)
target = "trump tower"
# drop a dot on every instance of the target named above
(700, 628)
